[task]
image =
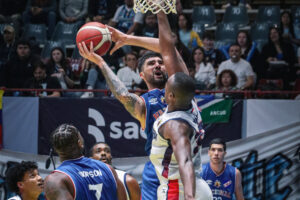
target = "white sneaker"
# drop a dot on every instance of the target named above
(87, 95)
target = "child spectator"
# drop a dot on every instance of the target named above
(227, 81)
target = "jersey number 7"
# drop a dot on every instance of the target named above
(98, 189)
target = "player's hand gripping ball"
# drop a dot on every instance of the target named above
(98, 34)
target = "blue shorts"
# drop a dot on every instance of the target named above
(150, 182)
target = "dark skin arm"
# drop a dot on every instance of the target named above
(133, 187)
(58, 187)
(178, 132)
(120, 188)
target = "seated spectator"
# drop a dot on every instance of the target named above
(59, 66)
(73, 11)
(212, 55)
(7, 45)
(129, 74)
(101, 11)
(187, 36)
(41, 12)
(19, 67)
(235, 3)
(24, 179)
(41, 80)
(94, 79)
(227, 81)
(11, 12)
(240, 67)
(278, 50)
(182, 49)
(150, 28)
(205, 74)
(287, 28)
(125, 19)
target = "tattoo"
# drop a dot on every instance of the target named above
(119, 90)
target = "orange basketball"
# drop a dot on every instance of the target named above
(98, 34)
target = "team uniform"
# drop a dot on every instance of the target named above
(165, 163)
(91, 179)
(122, 177)
(223, 185)
(155, 106)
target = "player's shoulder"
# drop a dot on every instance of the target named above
(17, 197)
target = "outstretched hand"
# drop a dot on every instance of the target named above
(118, 37)
(90, 54)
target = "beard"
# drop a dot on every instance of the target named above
(158, 83)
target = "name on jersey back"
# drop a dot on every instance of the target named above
(92, 174)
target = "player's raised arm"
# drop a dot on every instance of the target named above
(172, 59)
(58, 187)
(182, 150)
(132, 102)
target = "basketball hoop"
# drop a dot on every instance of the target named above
(154, 6)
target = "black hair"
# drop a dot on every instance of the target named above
(279, 33)
(208, 35)
(231, 74)
(189, 21)
(64, 61)
(65, 140)
(248, 38)
(218, 141)
(234, 44)
(23, 42)
(147, 55)
(91, 151)
(131, 53)
(291, 27)
(16, 174)
(183, 87)
(193, 53)
(39, 64)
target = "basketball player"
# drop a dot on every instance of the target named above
(176, 144)
(101, 151)
(79, 177)
(24, 179)
(223, 179)
(149, 106)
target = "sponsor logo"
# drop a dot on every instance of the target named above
(217, 184)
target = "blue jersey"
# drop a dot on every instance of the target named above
(92, 179)
(155, 106)
(222, 186)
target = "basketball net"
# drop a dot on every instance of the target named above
(154, 6)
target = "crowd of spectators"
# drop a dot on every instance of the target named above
(236, 66)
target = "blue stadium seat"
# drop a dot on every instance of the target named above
(295, 11)
(204, 15)
(268, 14)
(65, 33)
(236, 15)
(260, 33)
(46, 51)
(37, 32)
(226, 32)
(199, 28)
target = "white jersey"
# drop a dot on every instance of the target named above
(165, 163)
(162, 155)
(122, 177)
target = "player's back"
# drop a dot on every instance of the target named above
(92, 179)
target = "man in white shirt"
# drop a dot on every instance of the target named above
(129, 74)
(240, 67)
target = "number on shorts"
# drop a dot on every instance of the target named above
(97, 188)
(217, 198)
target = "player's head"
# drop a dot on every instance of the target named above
(152, 70)
(24, 178)
(180, 90)
(101, 151)
(217, 150)
(39, 70)
(67, 141)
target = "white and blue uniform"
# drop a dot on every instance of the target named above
(223, 185)
(155, 106)
(165, 163)
(122, 176)
(91, 179)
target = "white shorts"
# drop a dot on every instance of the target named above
(173, 190)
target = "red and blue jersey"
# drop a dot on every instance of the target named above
(91, 179)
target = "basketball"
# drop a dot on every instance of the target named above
(98, 34)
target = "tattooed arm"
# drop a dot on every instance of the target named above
(132, 102)
(58, 187)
